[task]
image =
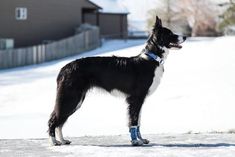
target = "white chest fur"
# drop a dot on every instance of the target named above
(157, 78)
(158, 73)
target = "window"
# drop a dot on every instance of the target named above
(21, 13)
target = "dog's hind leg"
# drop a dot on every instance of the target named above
(52, 127)
(68, 100)
(60, 136)
(52, 123)
(135, 104)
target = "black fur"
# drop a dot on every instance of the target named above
(133, 76)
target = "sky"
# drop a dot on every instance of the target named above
(137, 8)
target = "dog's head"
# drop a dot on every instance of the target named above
(164, 37)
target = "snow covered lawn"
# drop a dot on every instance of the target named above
(196, 95)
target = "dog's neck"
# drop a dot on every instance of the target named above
(158, 54)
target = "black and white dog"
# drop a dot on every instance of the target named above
(136, 77)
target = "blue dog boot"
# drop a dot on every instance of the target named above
(145, 141)
(134, 136)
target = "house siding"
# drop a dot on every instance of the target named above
(47, 20)
(111, 25)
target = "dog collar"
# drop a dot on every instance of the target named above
(152, 56)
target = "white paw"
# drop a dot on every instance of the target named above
(137, 142)
(54, 142)
(65, 142)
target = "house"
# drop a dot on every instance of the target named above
(112, 19)
(40, 21)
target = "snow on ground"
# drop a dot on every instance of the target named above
(170, 145)
(196, 95)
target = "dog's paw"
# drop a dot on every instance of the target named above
(137, 142)
(65, 142)
(145, 141)
(55, 143)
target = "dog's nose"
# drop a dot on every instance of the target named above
(184, 37)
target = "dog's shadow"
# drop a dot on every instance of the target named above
(177, 145)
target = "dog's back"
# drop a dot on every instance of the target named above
(121, 73)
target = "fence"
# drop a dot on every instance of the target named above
(84, 41)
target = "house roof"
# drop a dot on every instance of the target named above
(111, 6)
(94, 4)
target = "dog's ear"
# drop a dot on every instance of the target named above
(158, 23)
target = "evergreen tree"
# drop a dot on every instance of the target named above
(228, 17)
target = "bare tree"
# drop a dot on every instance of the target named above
(200, 15)
(163, 10)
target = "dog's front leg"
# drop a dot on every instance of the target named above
(135, 104)
(145, 141)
